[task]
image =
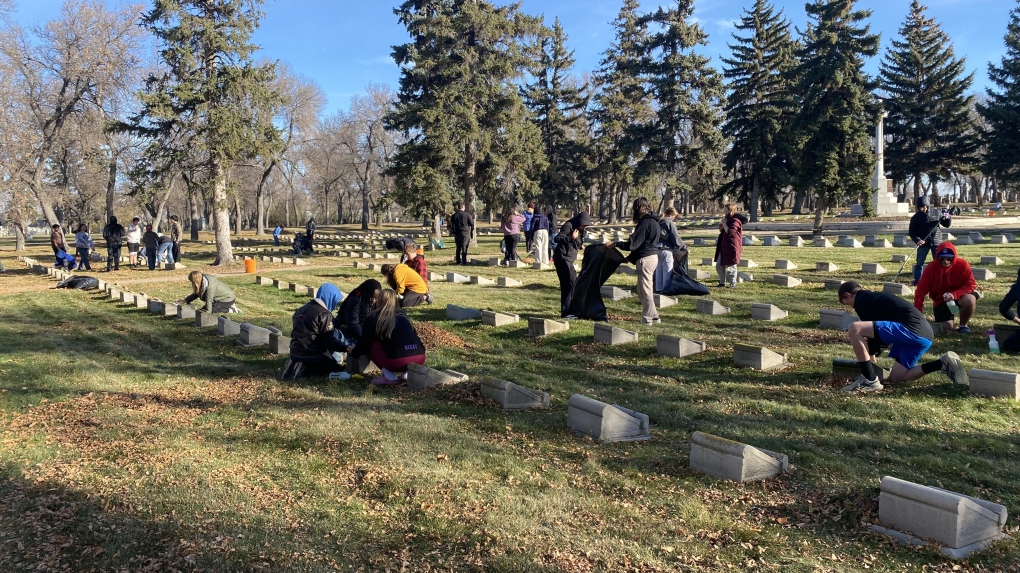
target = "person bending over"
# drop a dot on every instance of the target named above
(389, 339)
(890, 321)
(313, 338)
(354, 310)
(567, 243)
(406, 283)
(218, 297)
(948, 282)
(1011, 344)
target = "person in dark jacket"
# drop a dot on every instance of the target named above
(672, 250)
(462, 227)
(889, 321)
(729, 245)
(925, 230)
(355, 309)
(567, 242)
(389, 339)
(151, 242)
(218, 297)
(57, 243)
(550, 214)
(313, 338)
(114, 234)
(644, 253)
(175, 235)
(1011, 344)
(310, 227)
(529, 226)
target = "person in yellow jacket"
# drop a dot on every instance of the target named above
(407, 283)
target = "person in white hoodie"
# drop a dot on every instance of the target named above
(134, 240)
(83, 246)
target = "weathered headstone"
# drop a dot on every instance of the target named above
(900, 241)
(743, 277)
(826, 267)
(976, 236)
(705, 306)
(700, 242)
(850, 242)
(612, 335)
(823, 242)
(541, 266)
(482, 281)
(872, 269)
(833, 284)
(899, 258)
(796, 242)
(727, 459)
(699, 275)
(495, 261)
(185, 312)
(614, 293)
(252, 335)
(507, 282)
(757, 357)
(511, 396)
(279, 344)
(420, 377)
(983, 274)
(301, 289)
(856, 210)
(964, 240)
(898, 289)
(882, 244)
(518, 264)
(785, 264)
(262, 280)
(772, 242)
(993, 383)
(677, 347)
(204, 319)
(538, 326)
(749, 240)
(747, 264)
(707, 261)
(436, 277)
(452, 277)
(837, 319)
(127, 297)
(663, 301)
(227, 327)
(626, 270)
(869, 240)
(604, 422)
(785, 281)
(993, 261)
(454, 312)
(770, 312)
(492, 318)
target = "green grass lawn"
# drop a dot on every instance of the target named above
(130, 442)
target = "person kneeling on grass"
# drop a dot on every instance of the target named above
(313, 338)
(406, 283)
(389, 339)
(218, 297)
(1012, 343)
(890, 321)
(949, 282)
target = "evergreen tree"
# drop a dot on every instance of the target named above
(684, 138)
(557, 103)
(837, 111)
(1002, 110)
(929, 127)
(621, 106)
(759, 108)
(463, 118)
(208, 109)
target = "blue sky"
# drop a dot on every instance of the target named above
(344, 45)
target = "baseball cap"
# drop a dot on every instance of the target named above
(946, 253)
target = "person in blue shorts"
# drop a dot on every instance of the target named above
(892, 322)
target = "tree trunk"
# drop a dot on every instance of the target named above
(798, 202)
(221, 210)
(752, 209)
(237, 215)
(818, 216)
(196, 213)
(366, 190)
(260, 202)
(470, 160)
(111, 186)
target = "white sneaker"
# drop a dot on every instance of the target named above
(862, 384)
(953, 368)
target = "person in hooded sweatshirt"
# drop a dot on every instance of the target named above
(389, 339)
(1011, 344)
(643, 245)
(925, 230)
(948, 280)
(566, 244)
(729, 245)
(313, 338)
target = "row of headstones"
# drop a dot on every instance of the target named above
(866, 268)
(962, 524)
(869, 241)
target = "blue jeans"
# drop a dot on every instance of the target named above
(166, 252)
(150, 256)
(276, 240)
(922, 254)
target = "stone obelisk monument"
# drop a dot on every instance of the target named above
(885, 200)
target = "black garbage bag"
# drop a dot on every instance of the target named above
(399, 244)
(79, 282)
(600, 262)
(681, 283)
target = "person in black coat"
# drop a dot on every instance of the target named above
(356, 308)
(462, 227)
(313, 340)
(1011, 344)
(567, 243)
(389, 339)
(643, 245)
(926, 233)
(114, 234)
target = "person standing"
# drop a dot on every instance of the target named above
(57, 243)
(510, 224)
(151, 241)
(134, 241)
(529, 227)
(389, 339)
(729, 245)
(550, 214)
(889, 321)
(672, 250)
(540, 224)
(310, 233)
(949, 283)
(925, 230)
(114, 234)
(462, 227)
(643, 245)
(83, 246)
(175, 235)
(567, 243)
(276, 235)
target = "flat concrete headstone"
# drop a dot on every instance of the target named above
(899, 258)
(796, 242)
(374, 267)
(747, 264)
(785, 281)
(282, 285)
(770, 312)
(185, 312)
(612, 335)
(492, 318)
(115, 294)
(900, 241)
(749, 240)
(261, 280)
(785, 264)
(705, 306)
(772, 242)
(252, 335)
(872, 269)
(699, 242)
(360, 265)
(482, 281)
(663, 301)
(823, 242)
(994, 383)
(850, 242)
(707, 262)
(983, 274)
(677, 347)
(205, 319)
(452, 277)
(227, 327)
(518, 264)
(436, 277)
(301, 289)
(947, 236)
(605, 422)
(757, 357)
(279, 344)
(743, 277)
(541, 266)
(626, 270)
(898, 289)
(837, 319)
(882, 244)
(856, 210)
(454, 312)
(963, 524)
(614, 293)
(833, 284)
(869, 240)
(141, 301)
(538, 326)
(730, 460)
(964, 240)
(420, 377)
(699, 275)
(507, 282)
(511, 396)
(1009, 237)
(127, 297)
(993, 261)
(826, 267)
(495, 261)
(976, 236)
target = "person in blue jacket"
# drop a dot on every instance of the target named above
(276, 235)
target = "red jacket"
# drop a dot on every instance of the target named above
(935, 281)
(731, 241)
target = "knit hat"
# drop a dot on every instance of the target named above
(921, 201)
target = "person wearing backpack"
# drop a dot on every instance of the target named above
(672, 249)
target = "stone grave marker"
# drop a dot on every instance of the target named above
(900, 241)
(796, 242)
(541, 266)
(279, 344)
(730, 460)
(826, 267)
(823, 242)
(869, 240)
(837, 319)
(707, 261)
(882, 244)
(127, 297)
(663, 301)
(833, 284)
(770, 312)
(507, 282)
(538, 326)
(492, 318)
(964, 240)
(699, 275)
(700, 242)
(850, 242)
(757, 357)
(185, 312)
(420, 377)
(481, 281)
(204, 319)
(749, 240)
(511, 396)
(856, 210)
(993, 261)
(705, 306)
(604, 422)
(281, 285)
(785, 281)
(898, 289)
(1009, 237)
(785, 264)
(872, 269)
(518, 264)
(612, 335)
(899, 258)
(436, 277)
(976, 236)
(626, 270)
(252, 335)
(360, 265)
(615, 293)
(961, 523)
(454, 312)
(772, 241)
(261, 280)
(676, 347)
(983, 274)
(947, 236)
(496, 261)
(296, 288)
(227, 327)
(141, 301)
(747, 264)
(375, 267)
(115, 294)
(743, 277)
(993, 383)
(452, 277)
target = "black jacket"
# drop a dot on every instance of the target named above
(114, 234)
(1012, 297)
(402, 343)
(877, 306)
(566, 246)
(353, 313)
(461, 224)
(923, 224)
(312, 333)
(644, 240)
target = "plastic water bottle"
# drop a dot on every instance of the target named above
(993, 344)
(953, 308)
(343, 376)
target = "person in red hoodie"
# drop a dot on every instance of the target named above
(949, 282)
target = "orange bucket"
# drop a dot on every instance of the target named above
(249, 266)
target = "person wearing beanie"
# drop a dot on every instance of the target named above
(1012, 343)
(567, 243)
(926, 233)
(949, 281)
